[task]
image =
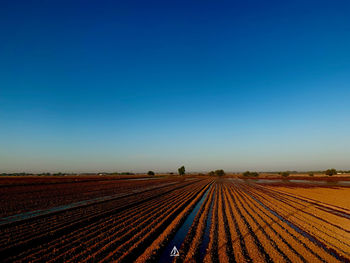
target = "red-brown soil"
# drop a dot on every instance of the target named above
(250, 222)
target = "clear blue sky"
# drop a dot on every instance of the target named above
(139, 85)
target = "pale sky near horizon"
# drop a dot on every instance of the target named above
(91, 86)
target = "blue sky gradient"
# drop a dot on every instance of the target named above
(135, 85)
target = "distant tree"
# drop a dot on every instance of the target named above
(250, 174)
(126, 173)
(219, 172)
(211, 173)
(41, 174)
(150, 173)
(331, 172)
(247, 173)
(311, 174)
(181, 170)
(285, 174)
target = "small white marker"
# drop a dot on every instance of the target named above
(174, 252)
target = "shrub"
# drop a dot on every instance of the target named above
(331, 172)
(284, 174)
(211, 173)
(247, 173)
(150, 173)
(250, 174)
(219, 172)
(311, 174)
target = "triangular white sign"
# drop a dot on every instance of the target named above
(174, 252)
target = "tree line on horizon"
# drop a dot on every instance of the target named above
(182, 171)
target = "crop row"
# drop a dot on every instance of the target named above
(190, 249)
(285, 227)
(34, 233)
(236, 222)
(322, 228)
(28, 197)
(252, 223)
(23, 232)
(85, 239)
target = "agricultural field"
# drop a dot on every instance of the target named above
(207, 219)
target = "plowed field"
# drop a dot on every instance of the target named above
(207, 219)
